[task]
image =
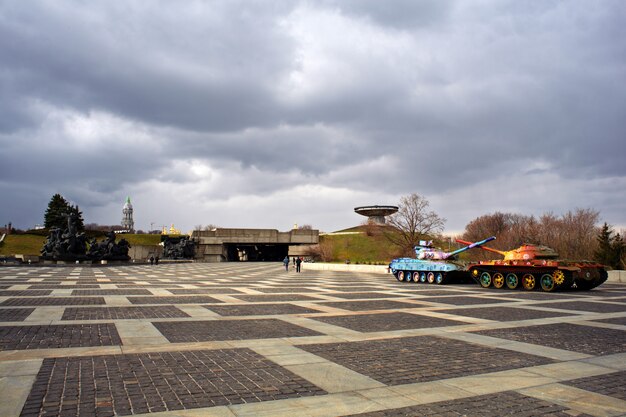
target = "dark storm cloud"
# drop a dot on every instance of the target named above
(361, 97)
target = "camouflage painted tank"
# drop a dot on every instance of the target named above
(535, 266)
(432, 265)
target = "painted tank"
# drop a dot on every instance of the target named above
(432, 265)
(536, 267)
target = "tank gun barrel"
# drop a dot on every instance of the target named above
(469, 246)
(483, 247)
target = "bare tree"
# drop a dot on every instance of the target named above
(413, 222)
(306, 227)
(572, 235)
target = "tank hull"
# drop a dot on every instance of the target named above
(541, 275)
(432, 272)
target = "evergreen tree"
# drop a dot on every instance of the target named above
(80, 223)
(55, 215)
(618, 249)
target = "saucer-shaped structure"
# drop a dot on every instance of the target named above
(376, 213)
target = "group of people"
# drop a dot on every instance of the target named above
(297, 261)
(154, 259)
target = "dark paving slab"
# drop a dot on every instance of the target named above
(191, 291)
(148, 285)
(60, 287)
(58, 336)
(613, 385)
(25, 293)
(371, 305)
(4, 287)
(284, 290)
(15, 314)
(357, 295)
(152, 382)
(122, 313)
(573, 337)
(259, 309)
(202, 331)
(587, 306)
(274, 297)
(464, 301)
(534, 295)
(604, 293)
(421, 359)
(429, 292)
(53, 301)
(386, 321)
(113, 292)
(504, 313)
(508, 403)
(174, 300)
(616, 320)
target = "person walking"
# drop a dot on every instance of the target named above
(286, 263)
(151, 260)
(156, 260)
(298, 262)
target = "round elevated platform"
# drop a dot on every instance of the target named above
(376, 213)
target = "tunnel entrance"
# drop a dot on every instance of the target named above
(237, 252)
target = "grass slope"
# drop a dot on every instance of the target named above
(360, 248)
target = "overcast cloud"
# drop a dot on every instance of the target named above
(270, 113)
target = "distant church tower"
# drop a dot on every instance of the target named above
(127, 221)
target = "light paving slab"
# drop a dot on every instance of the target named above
(564, 371)
(139, 333)
(19, 387)
(46, 315)
(498, 381)
(333, 377)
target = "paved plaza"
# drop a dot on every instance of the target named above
(250, 339)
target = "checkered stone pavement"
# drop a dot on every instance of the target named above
(58, 336)
(386, 321)
(573, 337)
(142, 383)
(248, 339)
(420, 359)
(502, 404)
(613, 384)
(122, 313)
(201, 331)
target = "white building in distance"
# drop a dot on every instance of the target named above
(127, 220)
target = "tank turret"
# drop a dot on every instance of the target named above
(431, 264)
(525, 252)
(536, 266)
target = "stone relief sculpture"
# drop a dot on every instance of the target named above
(179, 247)
(68, 244)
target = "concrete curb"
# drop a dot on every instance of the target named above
(382, 269)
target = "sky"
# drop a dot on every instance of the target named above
(243, 113)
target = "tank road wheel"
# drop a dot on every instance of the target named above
(400, 276)
(528, 282)
(423, 277)
(439, 278)
(559, 277)
(485, 280)
(511, 281)
(498, 280)
(430, 277)
(407, 276)
(547, 282)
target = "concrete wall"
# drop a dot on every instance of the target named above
(380, 269)
(141, 253)
(617, 276)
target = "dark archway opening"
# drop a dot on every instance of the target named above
(256, 253)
